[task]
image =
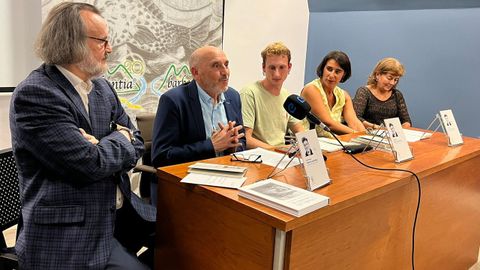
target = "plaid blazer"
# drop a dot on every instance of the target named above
(67, 184)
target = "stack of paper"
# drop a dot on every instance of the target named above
(329, 145)
(410, 134)
(376, 142)
(284, 197)
(415, 135)
(215, 175)
(377, 132)
(217, 169)
(332, 145)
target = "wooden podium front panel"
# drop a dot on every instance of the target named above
(368, 224)
(195, 232)
(448, 229)
(377, 233)
(373, 234)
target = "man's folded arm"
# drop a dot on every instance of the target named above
(52, 136)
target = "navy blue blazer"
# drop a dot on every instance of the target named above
(67, 184)
(179, 131)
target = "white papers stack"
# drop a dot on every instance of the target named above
(376, 142)
(415, 135)
(332, 145)
(217, 169)
(410, 134)
(329, 145)
(215, 175)
(377, 132)
(284, 197)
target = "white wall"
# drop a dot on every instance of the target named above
(5, 141)
(21, 21)
(251, 24)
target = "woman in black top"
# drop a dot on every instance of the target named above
(380, 99)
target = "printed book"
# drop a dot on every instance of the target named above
(284, 197)
(217, 169)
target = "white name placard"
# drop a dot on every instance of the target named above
(398, 140)
(450, 126)
(312, 157)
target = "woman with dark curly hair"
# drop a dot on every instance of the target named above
(330, 103)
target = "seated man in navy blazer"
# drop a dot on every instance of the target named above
(73, 145)
(201, 119)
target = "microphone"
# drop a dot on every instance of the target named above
(297, 107)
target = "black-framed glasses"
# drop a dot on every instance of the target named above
(253, 158)
(104, 40)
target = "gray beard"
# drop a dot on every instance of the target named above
(91, 67)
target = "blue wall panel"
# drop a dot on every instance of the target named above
(440, 49)
(370, 5)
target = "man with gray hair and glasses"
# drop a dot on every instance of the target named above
(73, 144)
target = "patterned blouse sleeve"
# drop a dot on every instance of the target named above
(402, 108)
(360, 102)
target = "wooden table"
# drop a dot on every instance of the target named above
(368, 224)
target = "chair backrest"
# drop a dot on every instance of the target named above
(9, 191)
(145, 125)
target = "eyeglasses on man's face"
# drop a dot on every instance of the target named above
(104, 40)
(253, 158)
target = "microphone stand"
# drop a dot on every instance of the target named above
(345, 149)
(381, 132)
(293, 145)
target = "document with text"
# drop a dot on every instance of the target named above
(213, 180)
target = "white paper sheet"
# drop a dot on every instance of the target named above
(211, 180)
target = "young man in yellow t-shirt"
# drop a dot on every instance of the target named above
(264, 118)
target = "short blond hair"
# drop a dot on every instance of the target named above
(384, 66)
(275, 48)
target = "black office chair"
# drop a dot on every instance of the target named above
(148, 172)
(9, 206)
